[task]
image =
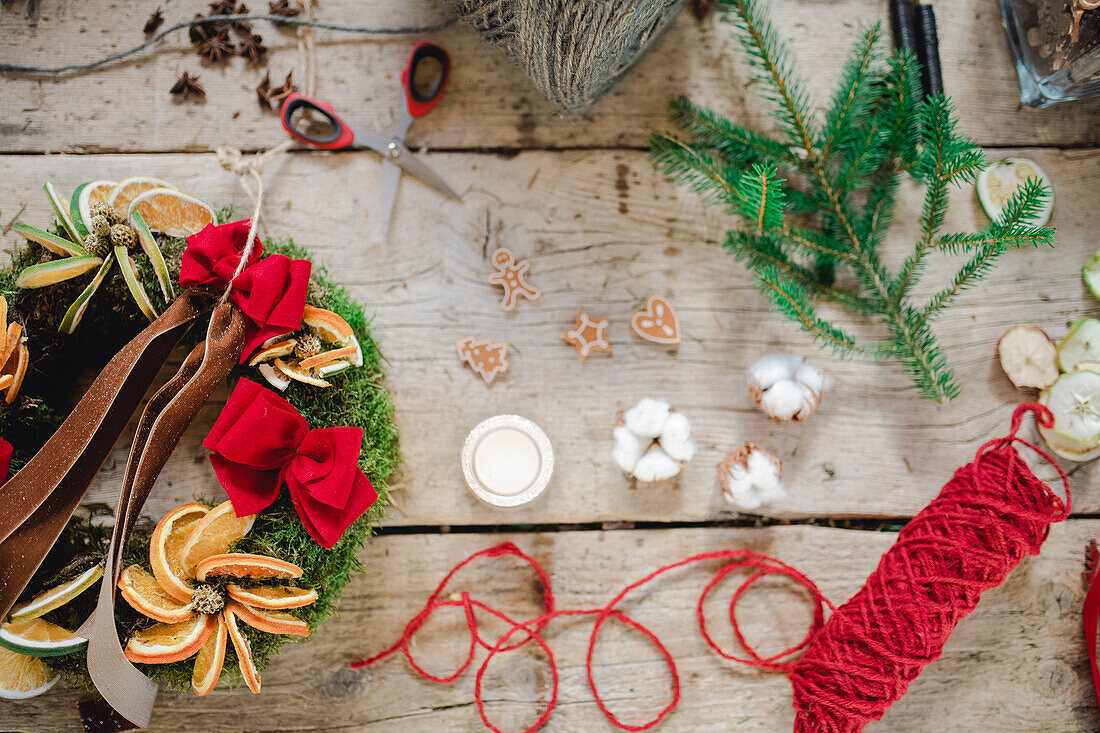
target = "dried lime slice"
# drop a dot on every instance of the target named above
(39, 638)
(55, 597)
(1081, 344)
(999, 181)
(86, 194)
(54, 271)
(76, 310)
(152, 251)
(62, 212)
(52, 242)
(1075, 402)
(140, 297)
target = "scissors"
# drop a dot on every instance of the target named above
(335, 134)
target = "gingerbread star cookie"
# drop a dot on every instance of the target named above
(588, 335)
(658, 322)
(486, 358)
(512, 276)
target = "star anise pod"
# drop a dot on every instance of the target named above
(199, 32)
(155, 21)
(217, 47)
(222, 7)
(270, 97)
(283, 8)
(700, 9)
(242, 26)
(187, 86)
(252, 48)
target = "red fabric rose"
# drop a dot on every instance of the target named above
(260, 442)
(5, 459)
(271, 291)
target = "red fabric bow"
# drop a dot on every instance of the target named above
(260, 442)
(271, 291)
(5, 460)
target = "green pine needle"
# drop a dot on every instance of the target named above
(834, 204)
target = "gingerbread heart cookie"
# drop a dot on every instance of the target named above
(658, 322)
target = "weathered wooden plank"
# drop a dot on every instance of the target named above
(490, 103)
(1018, 663)
(603, 231)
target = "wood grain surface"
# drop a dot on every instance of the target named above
(577, 196)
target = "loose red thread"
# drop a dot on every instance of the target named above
(991, 514)
(530, 630)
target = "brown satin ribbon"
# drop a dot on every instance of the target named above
(38, 501)
(162, 424)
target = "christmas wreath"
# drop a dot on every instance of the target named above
(303, 447)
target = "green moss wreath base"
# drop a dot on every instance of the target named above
(62, 367)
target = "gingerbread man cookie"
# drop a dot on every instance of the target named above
(588, 335)
(658, 322)
(512, 276)
(486, 358)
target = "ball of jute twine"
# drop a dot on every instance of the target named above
(575, 51)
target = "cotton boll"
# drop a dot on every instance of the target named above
(627, 449)
(676, 438)
(647, 418)
(750, 478)
(655, 465)
(786, 387)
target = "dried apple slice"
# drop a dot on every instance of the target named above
(152, 251)
(333, 367)
(1028, 357)
(76, 310)
(1081, 344)
(140, 297)
(997, 183)
(1075, 402)
(55, 271)
(52, 242)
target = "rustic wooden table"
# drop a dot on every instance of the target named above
(578, 197)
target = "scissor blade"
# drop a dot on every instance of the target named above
(391, 178)
(407, 159)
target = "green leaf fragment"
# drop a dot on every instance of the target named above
(152, 251)
(76, 310)
(52, 242)
(136, 289)
(55, 271)
(62, 212)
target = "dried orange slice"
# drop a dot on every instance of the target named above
(208, 665)
(298, 374)
(272, 596)
(241, 565)
(332, 329)
(273, 622)
(131, 188)
(174, 213)
(55, 271)
(280, 348)
(326, 357)
(244, 652)
(87, 194)
(165, 545)
(142, 591)
(164, 643)
(22, 677)
(11, 342)
(212, 535)
(22, 361)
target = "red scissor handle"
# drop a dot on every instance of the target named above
(420, 101)
(341, 135)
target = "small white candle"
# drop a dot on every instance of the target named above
(507, 461)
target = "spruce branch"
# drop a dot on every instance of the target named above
(823, 198)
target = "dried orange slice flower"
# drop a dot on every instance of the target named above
(188, 552)
(325, 345)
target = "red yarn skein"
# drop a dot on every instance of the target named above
(992, 513)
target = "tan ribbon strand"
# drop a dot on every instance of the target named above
(40, 499)
(162, 424)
